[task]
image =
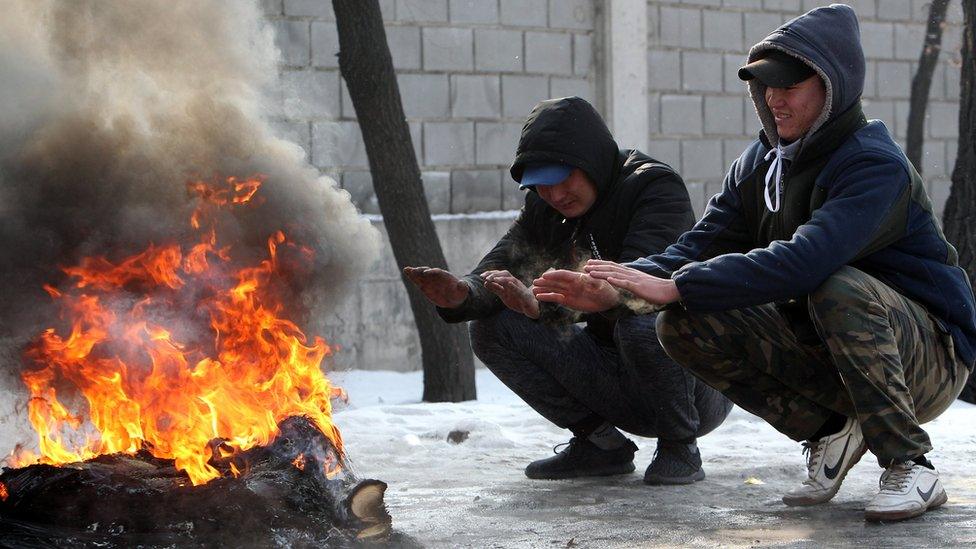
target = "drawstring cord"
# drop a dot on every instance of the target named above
(775, 171)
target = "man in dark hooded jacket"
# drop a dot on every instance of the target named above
(587, 198)
(818, 291)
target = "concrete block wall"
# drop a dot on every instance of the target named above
(701, 117)
(469, 71)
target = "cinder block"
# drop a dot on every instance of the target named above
(952, 79)
(473, 11)
(701, 71)
(448, 143)
(571, 14)
(896, 10)
(723, 30)
(894, 79)
(582, 54)
(310, 8)
(878, 40)
(404, 46)
(938, 191)
(783, 5)
(664, 70)
(908, 40)
(943, 119)
(498, 50)
(701, 160)
(681, 27)
(742, 4)
(359, 185)
(421, 10)
(448, 49)
(425, 95)
(291, 37)
(937, 89)
(654, 113)
(325, 44)
(568, 87)
(338, 145)
(880, 110)
(933, 158)
(513, 198)
(271, 7)
(732, 149)
(496, 142)
(952, 150)
(475, 96)
(437, 191)
(901, 119)
(475, 191)
(310, 94)
(548, 52)
(521, 93)
(523, 13)
(730, 73)
(665, 150)
(696, 193)
(723, 115)
(681, 115)
(759, 25)
(870, 79)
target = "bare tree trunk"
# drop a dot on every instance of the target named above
(922, 82)
(367, 68)
(960, 209)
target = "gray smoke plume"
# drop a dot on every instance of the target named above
(107, 109)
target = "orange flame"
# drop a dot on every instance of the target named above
(3, 492)
(146, 383)
(299, 462)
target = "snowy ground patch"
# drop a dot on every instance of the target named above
(472, 493)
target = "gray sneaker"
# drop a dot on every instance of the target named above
(674, 463)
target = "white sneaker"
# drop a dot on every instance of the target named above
(828, 461)
(907, 490)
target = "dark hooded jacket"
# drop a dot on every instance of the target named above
(850, 197)
(642, 206)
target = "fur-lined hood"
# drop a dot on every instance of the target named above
(828, 39)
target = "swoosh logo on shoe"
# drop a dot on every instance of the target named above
(926, 495)
(831, 472)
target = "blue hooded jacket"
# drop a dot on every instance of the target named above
(863, 204)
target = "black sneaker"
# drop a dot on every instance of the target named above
(582, 458)
(674, 463)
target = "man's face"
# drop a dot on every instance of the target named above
(573, 197)
(797, 107)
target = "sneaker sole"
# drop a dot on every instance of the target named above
(893, 516)
(827, 496)
(577, 473)
(655, 480)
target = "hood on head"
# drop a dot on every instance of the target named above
(567, 130)
(828, 39)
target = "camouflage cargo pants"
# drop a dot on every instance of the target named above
(880, 357)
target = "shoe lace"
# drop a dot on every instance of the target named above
(897, 477)
(564, 446)
(813, 450)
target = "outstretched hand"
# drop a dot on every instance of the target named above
(439, 286)
(512, 292)
(576, 291)
(654, 290)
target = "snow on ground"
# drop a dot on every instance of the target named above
(474, 494)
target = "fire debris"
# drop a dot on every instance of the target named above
(121, 500)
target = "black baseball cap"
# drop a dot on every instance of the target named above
(777, 69)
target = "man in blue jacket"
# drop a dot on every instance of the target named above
(818, 291)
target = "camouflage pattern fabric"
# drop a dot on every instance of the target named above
(879, 356)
